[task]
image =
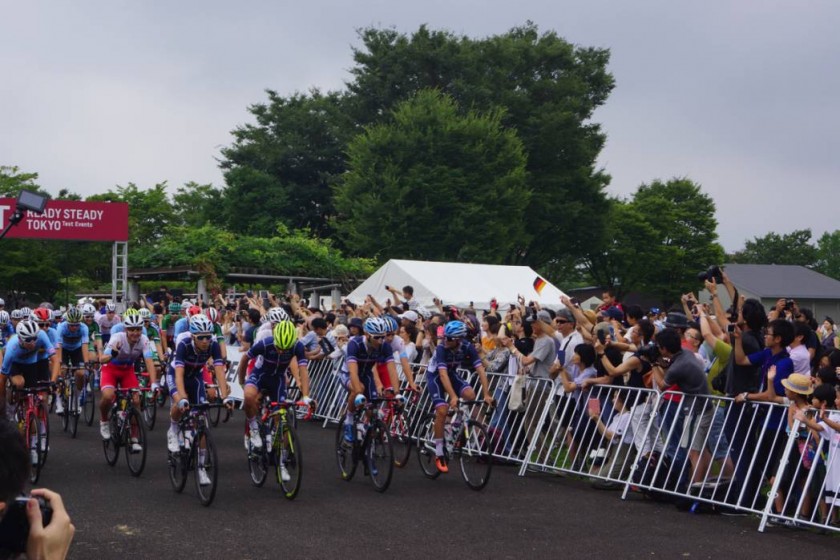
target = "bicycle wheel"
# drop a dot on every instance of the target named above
(135, 458)
(214, 414)
(400, 438)
(258, 460)
(149, 407)
(112, 444)
(64, 391)
(89, 401)
(426, 447)
(43, 436)
(288, 456)
(345, 454)
(207, 491)
(471, 450)
(33, 444)
(178, 467)
(73, 410)
(379, 453)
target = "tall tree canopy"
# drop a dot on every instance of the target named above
(434, 184)
(787, 248)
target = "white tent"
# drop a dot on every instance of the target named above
(457, 284)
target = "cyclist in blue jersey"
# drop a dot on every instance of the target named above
(446, 386)
(72, 349)
(6, 327)
(185, 376)
(358, 373)
(273, 356)
(20, 360)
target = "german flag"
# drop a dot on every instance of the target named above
(539, 284)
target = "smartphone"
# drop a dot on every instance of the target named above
(264, 294)
(602, 336)
(14, 528)
(249, 293)
(561, 356)
(594, 406)
(440, 331)
(730, 328)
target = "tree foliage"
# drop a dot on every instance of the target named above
(788, 248)
(828, 254)
(658, 241)
(435, 185)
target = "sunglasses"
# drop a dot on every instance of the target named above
(560, 321)
(132, 329)
(202, 337)
(28, 340)
(453, 338)
(378, 337)
(44, 325)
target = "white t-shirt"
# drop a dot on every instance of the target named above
(567, 344)
(801, 359)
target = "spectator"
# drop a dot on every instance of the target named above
(312, 340)
(582, 368)
(609, 301)
(342, 336)
(798, 352)
(355, 326)
(619, 435)
(407, 301)
(52, 541)
(828, 334)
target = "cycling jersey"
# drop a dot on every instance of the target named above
(191, 359)
(365, 357)
(52, 334)
(16, 354)
(123, 353)
(105, 324)
(72, 339)
(462, 356)
(93, 334)
(181, 326)
(120, 327)
(270, 365)
(167, 324)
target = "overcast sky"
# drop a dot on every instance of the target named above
(739, 96)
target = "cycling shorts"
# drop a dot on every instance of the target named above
(32, 373)
(439, 395)
(274, 385)
(193, 384)
(367, 381)
(118, 376)
(73, 358)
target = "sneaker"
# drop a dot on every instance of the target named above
(441, 464)
(256, 440)
(245, 440)
(81, 400)
(105, 430)
(59, 405)
(34, 457)
(203, 479)
(284, 473)
(44, 445)
(348, 433)
(172, 442)
(135, 446)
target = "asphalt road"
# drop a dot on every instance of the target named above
(537, 516)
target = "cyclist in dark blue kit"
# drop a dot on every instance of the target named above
(446, 386)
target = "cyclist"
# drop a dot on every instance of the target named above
(167, 323)
(186, 382)
(12, 319)
(274, 316)
(357, 375)
(182, 325)
(72, 349)
(273, 355)
(212, 314)
(25, 312)
(121, 352)
(445, 383)
(153, 333)
(5, 326)
(21, 364)
(107, 321)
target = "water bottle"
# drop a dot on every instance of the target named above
(447, 433)
(360, 431)
(187, 440)
(456, 424)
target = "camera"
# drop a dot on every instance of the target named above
(14, 528)
(789, 303)
(649, 352)
(714, 272)
(730, 328)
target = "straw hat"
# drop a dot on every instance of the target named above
(798, 383)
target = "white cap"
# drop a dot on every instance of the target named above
(410, 315)
(2, 302)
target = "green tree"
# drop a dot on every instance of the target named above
(282, 167)
(150, 212)
(828, 254)
(549, 89)
(435, 184)
(197, 205)
(788, 248)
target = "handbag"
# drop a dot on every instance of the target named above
(518, 400)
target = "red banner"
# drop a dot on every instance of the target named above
(69, 220)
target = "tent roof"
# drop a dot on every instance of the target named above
(457, 283)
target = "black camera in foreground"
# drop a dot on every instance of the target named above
(650, 353)
(714, 272)
(14, 527)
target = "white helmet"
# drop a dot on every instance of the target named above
(25, 312)
(16, 314)
(111, 307)
(145, 313)
(277, 314)
(27, 330)
(200, 324)
(4, 317)
(132, 320)
(88, 310)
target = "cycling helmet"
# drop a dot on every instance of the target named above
(277, 314)
(4, 317)
(212, 314)
(132, 320)
(200, 324)
(285, 335)
(27, 330)
(16, 314)
(174, 308)
(42, 315)
(88, 310)
(455, 329)
(74, 316)
(375, 326)
(392, 324)
(25, 312)
(145, 314)
(57, 314)
(130, 311)
(111, 307)
(193, 310)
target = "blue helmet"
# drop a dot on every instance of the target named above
(375, 326)
(391, 323)
(200, 324)
(455, 329)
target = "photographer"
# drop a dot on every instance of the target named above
(50, 542)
